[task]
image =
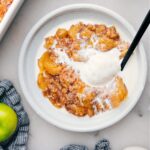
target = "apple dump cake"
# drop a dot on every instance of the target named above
(4, 6)
(79, 70)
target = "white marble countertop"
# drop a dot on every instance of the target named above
(134, 129)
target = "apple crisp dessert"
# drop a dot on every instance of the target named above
(62, 69)
(4, 5)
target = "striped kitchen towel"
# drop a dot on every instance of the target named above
(100, 145)
(9, 95)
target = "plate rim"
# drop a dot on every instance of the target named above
(31, 34)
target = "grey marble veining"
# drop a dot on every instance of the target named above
(134, 129)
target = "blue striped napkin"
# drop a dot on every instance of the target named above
(100, 145)
(9, 96)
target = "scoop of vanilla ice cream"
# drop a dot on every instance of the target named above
(99, 68)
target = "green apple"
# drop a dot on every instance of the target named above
(8, 122)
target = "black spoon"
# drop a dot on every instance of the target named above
(136, 39)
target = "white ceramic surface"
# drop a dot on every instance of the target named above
(10, 14)
(27, 63)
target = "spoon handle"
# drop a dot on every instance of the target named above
(136, 39)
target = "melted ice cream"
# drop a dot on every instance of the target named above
(99, 67)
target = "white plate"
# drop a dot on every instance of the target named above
(28, 61)
(10, 14)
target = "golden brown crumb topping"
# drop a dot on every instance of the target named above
(63, 86)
